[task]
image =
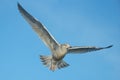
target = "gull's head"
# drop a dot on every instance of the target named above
(66, 45)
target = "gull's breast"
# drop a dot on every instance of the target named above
(59, 53)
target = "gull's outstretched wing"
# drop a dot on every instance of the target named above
(85, 49)
(46, 37)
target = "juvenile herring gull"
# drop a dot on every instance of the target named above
(54, 61)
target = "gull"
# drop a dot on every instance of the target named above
(58, 51)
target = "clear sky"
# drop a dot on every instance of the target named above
(77, 22)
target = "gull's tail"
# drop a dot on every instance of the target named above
(52, 64)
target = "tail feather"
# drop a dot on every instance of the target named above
(52, 64)
(62, 64)
(46, 60)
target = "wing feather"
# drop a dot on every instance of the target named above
(39, 28)
(85, 49)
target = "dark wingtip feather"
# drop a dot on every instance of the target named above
(20, 8)
(18, 4)
(109, 46)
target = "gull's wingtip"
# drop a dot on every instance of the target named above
(20, 8)
(109, 46)
(18, 4)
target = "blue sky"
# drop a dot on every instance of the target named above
(77, 22)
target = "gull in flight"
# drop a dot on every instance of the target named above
(59, 51)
